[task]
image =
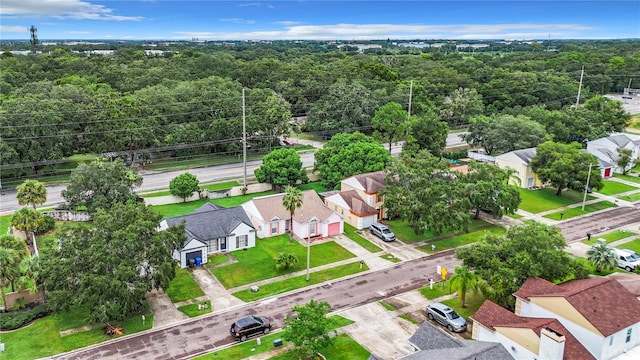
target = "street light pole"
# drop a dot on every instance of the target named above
(586, 186)
(308, 247)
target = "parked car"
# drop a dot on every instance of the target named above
(627, 259)
(248, 326)
(382, 231)
(446, 316)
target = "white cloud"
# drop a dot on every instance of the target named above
(287, 23)
(237, 20)
(64, 9)
(14, 29)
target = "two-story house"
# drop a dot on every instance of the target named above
(359, 200)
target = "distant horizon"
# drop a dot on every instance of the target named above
(319, 20)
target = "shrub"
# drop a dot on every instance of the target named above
(17, 319)
(48, 223)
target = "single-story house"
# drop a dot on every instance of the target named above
(313, 219)
(599, 313)
(358, 200)
(212, 229)
(606, 149)
(520, 161)
(431, 342)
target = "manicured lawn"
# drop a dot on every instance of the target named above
(221, 186)
(42, 338)
(405, 233)
(179, 209)
(631, 245)
(577, 211)
(351, 233)
(299, 282)
(627, 177)
(344, 348)
(610, 236)
(535, 201)
(390, 257)
(183, 287)
(257, 263)
(515, 216)
(239, 200)
(5, 222)
(316, 185)
(460, 240)
(440, 288)
(612, 187)
(472, 304)
(215, 260)
(631, 197)
(592, 270)
(192, 310)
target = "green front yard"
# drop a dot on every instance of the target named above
(461, 240)
(183, 287)
(577, 211)
(627, 177)
(610, 236)
(352, 233)
(535, 201)
(179, 209)
(197, 309)
(407, 235)
(257, 263)
(612, 187)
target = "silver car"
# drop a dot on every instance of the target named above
(382, 231)
(446, 316)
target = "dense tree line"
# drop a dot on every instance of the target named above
(60, 103)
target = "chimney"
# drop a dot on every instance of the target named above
(551, 344)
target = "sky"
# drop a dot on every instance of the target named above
(319, 19)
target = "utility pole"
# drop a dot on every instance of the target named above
(34, 39)
(580, 87)
(410, 95)
(244, 142)
(309, 247)
(584, 199)
(626, 92)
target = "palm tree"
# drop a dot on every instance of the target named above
(463, 280)
(8, 269)
(31, 192)
(18, 246)
(285, 261)
(291, 201)
(32, 270)
(27, 220)
(602, 257)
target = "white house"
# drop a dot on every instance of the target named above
(270, 218)
(212, 229)
(358, 200)
(606, 149)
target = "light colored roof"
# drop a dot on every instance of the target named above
(356, 204)
(270, 207)
(371, 182)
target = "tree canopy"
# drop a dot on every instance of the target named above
(426, 132)
(282, 167)
(110, 266)
(390, 123)
(184, 185)
(487, 187)
(525, 251)
(309, 328)
(31, 192)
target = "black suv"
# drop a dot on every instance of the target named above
(250, 325)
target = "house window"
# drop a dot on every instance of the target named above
(312, 229)
(629, 335)
(611, 340)
(286, 225)
(212, 245)
(274, 227)
(242, 241)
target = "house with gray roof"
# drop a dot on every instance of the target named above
(212, 229)
(520, 162)
(606, 149)
(431, 342)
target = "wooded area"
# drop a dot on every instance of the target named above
(189, 101)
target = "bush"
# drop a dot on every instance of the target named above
(455, 155)
(17, 319)
(48, 223)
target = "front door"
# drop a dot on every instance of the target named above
(223, 244)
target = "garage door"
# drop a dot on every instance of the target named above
(193, 255)
(334, 228)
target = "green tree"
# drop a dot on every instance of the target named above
(460, 106)
(32, 271)
(505, 262)
(309, 328)
(31, 192)
(487, 187)
(566, 166)
(286, 261)
(505, 133)
(390, 123)
(281, 167)
(426, 132)
(18, 247)
(463, 280)
(347, 155)
(292, 200)
(184, 185)
(101, 184)
(110, 266)
(8, 269)
(27, 220)
(624, 160)
(602, 257)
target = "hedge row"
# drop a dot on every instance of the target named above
(16, 319)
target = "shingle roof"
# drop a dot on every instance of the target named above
(492, 315)
(211, 222)
(604, 302)
(525, 154)
(436, 344)
(372, 182)
(270, 207)
(356, 204)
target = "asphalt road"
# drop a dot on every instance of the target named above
(208, 333)
(577, 229)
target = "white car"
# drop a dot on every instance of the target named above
(627, 259)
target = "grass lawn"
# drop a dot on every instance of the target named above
(633, 245)
(627, 177)
(352, 233)
(610, 236)
(179, 209)
(461, 240)
(592, 270)
(515, 216)
(535, 201)
(5, 222)
(42, 338)
(183, 287)
(257, 263)
(407, 235)
(248, 348)
(239, 200)
(316, 185)
(192, 310)
(344, 348)
(472, 304)
(612, 187)
(390, 257)
(299, 282)
(215, 260)
(577, 211)
(440, 288)
(631, 197)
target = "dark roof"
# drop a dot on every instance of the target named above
(211, 222)
(492, 315)
(434, 343)
(526, 154)
(356, 204)
(372, 182)
(604, 302)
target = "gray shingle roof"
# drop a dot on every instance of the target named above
(211, 222)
